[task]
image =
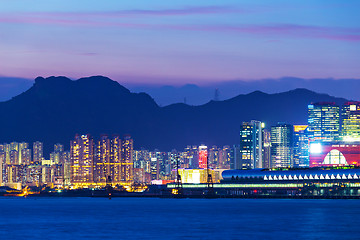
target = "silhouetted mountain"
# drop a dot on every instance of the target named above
(56, 108)
(198, 95)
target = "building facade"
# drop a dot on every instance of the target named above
(281, 145)
(323, 121)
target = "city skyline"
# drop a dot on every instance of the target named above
(223, 119)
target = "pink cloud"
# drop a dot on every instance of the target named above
(274, 30)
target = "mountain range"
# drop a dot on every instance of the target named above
(54, 109)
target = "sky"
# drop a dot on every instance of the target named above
(176, 42)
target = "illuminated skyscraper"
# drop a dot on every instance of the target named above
(266, 148)
(324, 122)
(26, 156)
(67, 168)
(350, 127)
(56, 156)
(14, 157)
(108, 160)
(251, 145)
(224, 158)
(38, 148)
(7, 153)
(115, 159)
(23, 146)
(102, 160)
(2, 163)
(82, 160)
(301, 146)
(127, 149)
(282, 145)
(154, 166)
(202, 156)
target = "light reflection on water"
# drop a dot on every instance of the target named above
(152, 218)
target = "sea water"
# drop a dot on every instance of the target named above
(154, 218)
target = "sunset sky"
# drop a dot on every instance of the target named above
(176, 42)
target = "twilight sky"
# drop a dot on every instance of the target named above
(176, 42)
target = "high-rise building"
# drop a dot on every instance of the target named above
(213, 157)
(67, 168)
(203, 154)
(26, 156)
(251, 144)
(282, 145)
(38, 152)
(350, 124)
(301, 146)
(127, 163)
(266, 148)
(235, 157)
(324, 122)
(2, 163)
(102, 169)
(224, 156)
(23, 147)
(14, 157)
(82, 160)
(115, 159)
(154, 166)
(7, 150)
(56, 156)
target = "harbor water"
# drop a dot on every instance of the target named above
(154, 218)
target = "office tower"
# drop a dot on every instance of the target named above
(162, 160)
(282, 145)
(266, 148)
(301, 146)
(235, 158)
(323, 120)
(82, 160)
(23, 146)
(154, 166)
(350, 124)
(127, 149)
(38, 149)
(202, 159)
(251, 144)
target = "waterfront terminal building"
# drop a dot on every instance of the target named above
(321, 181)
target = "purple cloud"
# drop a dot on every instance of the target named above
(274, 30)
